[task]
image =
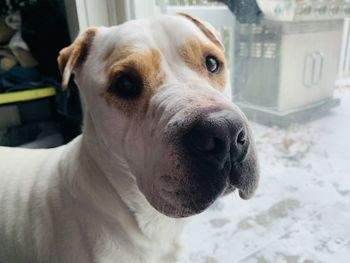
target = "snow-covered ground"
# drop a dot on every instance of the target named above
(301, 211)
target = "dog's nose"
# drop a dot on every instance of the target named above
(218, 138)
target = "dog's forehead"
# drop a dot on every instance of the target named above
(174, 30)
(161, 50)
(159, 32)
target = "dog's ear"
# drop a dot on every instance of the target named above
(206, 28)
(71, 58)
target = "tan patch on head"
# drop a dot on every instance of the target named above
(113, 55)
(147, 66)
(194, 53)
(63, 57)
(205, 29)
(73, 57)
(81, 51)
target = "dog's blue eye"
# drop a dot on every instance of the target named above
(212, 64)
(127, 86)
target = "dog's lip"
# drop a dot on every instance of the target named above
(247, 190)
(246, 183)
(179, 210)
(176, 211)
(245, 195)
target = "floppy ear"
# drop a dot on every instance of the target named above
(206, 28)
(71, 58)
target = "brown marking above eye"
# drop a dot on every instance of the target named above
(206, 31)
(195, 53)
(145, 68)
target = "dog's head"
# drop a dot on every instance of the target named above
(153, 89)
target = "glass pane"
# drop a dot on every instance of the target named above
(289, 64)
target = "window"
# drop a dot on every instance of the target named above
(289, 64)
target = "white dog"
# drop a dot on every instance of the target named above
(160, 142)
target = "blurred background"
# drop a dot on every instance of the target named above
(290, 71)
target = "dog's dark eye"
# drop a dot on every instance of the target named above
(127, 86)
(212, 64)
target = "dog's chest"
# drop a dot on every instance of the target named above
(155, 242)
(141, 252)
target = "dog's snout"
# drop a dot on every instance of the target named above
(218, 138)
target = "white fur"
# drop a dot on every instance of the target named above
(58, 204)
(81, 202)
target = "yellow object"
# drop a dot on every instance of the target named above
(26, 95)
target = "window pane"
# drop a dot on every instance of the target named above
(289, 65)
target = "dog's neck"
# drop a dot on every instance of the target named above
(107, 177)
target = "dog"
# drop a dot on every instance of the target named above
(160, 143)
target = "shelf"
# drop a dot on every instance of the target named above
(27, 95)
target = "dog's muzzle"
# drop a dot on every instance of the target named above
(219, 156)
(218, 139)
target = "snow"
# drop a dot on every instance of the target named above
(301, 210)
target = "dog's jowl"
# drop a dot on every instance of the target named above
(160, 143)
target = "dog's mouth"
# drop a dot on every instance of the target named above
(210, 153)
(191, 188)
(187, 199)
(243, 193)
(193, 184)
(178, 208)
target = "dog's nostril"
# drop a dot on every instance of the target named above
(217, 140)
(202, 140)
(241, 137)
(205, 144)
